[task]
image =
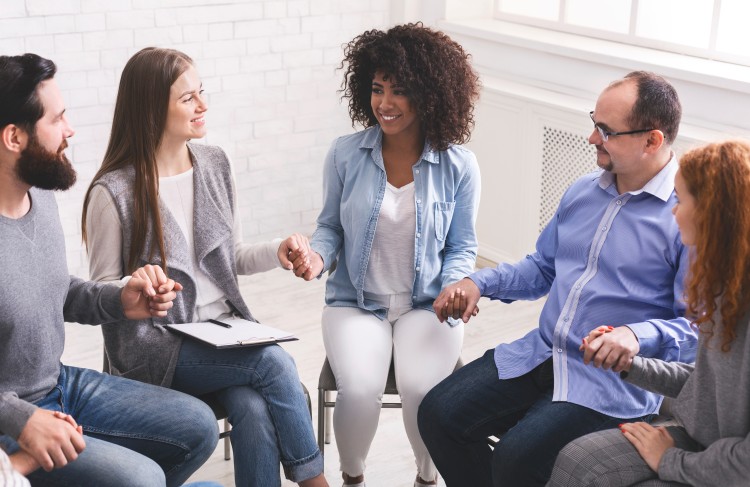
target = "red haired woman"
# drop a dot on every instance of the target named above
(710, 445)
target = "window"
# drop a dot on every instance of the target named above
(713, 29)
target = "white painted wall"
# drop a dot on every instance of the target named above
(537, 80)
(533, 79)
(269, 68)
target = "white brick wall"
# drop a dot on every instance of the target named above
(268, 67)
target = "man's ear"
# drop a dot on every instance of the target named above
(655, 141)
(13, 138)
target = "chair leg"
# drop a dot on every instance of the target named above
(329, 418)
(321, 420)
(227, 444)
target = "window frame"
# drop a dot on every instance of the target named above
(710, 53)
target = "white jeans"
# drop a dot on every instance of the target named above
(359, 347)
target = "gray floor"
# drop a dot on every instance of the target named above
(279, 298)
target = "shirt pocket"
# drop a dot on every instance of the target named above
(443, 215)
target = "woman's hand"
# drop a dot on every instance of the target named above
(458, 301)
(595, 333)
(148, 293)
(650, 442)
(294, 251)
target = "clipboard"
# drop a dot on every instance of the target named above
(232, 333)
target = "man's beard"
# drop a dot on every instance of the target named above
(44, 169)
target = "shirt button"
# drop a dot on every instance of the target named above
(419, 201)
(565, 319)
(419, 235)
(619, 202)
(413, 297)
(604, 228)
(559, 350)
(417, 269)
(417, 171)
(578, 286)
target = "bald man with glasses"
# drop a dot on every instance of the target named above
(611, 257)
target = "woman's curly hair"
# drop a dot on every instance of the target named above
(718, 177)
(433, 69)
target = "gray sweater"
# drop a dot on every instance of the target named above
(712, 403)
(37, 295)
(147, 351)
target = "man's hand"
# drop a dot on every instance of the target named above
(53, 439)
(458, 300)
(612, 350)
(148, 293)
(650, 442)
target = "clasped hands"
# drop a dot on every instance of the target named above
(458, 301)
(614, 348)
(296, 255)
(148, 293)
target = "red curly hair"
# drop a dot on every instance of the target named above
(718, 177)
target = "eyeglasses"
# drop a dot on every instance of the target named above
(606, 135)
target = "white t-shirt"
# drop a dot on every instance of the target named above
(176, 192)
(391, 266)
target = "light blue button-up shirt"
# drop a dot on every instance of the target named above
(446, 192)
(604, 259)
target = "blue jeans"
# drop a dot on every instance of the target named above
(260, 389)
(136, 434)
(458, 415)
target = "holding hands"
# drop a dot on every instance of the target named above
(296, 255)
(458, 301)
(610, 348)
(148, 293)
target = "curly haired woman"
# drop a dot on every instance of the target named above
(400, 202)
(711, 443)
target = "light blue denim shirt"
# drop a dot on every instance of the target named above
(605, 259)
(446, 192)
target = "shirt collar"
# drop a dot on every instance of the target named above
(373, 139)
(660, 185)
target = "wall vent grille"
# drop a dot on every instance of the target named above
(565, 157)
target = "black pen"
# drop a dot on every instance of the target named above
(220, 323)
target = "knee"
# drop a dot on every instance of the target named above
(433, 416)
(203, 428)
(148, 473)
(129, 469)
(576, 464)
(281, 362)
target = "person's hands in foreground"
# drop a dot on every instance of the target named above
(611, 349)
(294, 252)
(458, 301)
(651, 442)
(52, 438)
(149, 292)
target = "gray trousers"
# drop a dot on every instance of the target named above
(607, 459)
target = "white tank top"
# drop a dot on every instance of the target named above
(391, 266)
